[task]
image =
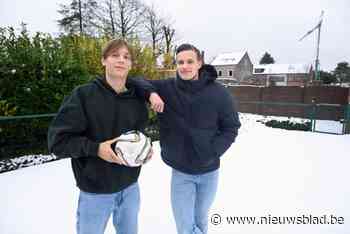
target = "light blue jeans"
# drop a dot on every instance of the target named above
(191, 198)
(94, 211)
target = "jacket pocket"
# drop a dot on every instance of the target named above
(202, 140)
(172, 144)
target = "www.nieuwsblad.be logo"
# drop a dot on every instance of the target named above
(217, 219)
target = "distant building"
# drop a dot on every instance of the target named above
(281, 75)
(233, 68)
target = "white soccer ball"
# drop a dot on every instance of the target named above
(133, 148)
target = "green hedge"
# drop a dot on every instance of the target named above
(21, 137)
(288, 125)
(37, 72)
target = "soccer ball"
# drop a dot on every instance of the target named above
(133, 148)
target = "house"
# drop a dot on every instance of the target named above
(233, 68)
(281, 74)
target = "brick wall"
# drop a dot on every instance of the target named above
(298, 79)
(295, 101)
(292, 79)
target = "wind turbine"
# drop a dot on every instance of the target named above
(318, 27)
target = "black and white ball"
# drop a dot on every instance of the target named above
(133, 148)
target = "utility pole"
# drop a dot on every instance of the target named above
(317, 62)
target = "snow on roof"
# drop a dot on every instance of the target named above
(228, 58)
(281, 68)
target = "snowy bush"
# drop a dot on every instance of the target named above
(289, 125)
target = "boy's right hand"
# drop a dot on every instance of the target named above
(157, 103)
(106, 152)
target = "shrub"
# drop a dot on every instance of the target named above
(37, 72)
(288, 125)
(23, 137)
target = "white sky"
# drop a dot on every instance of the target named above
(228, 26)
(309, 178)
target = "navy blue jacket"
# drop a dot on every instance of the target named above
(199, 122)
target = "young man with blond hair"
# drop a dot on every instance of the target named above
(87, 124)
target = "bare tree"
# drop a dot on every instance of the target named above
(121, 17)
(106, 18)
(169, 36)
(154, 29)
(78, 17)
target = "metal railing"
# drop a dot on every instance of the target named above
(20, 135)
(27, 135)
(316, 113)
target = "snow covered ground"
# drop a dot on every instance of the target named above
(329, 126)
(24, 161)
(267, 172)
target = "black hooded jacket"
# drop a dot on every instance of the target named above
(92, 114)
(199, 122)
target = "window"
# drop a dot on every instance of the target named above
(259, 70)
(220, 73)
(277, 78)
(230, 73)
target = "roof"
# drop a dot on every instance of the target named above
(282, 68)
(228, 58)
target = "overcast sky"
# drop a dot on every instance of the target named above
(229, 26)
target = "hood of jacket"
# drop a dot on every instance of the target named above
(102, 82)
(207, 75)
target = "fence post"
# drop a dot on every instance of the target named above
(313, 114)
(347, 120)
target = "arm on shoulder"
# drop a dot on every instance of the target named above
(150, 90)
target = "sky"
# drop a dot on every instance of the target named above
(223, 26)
(310, 178)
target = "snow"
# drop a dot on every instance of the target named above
(266, 172)
(228, 58)
(283, 68)
(329, 126)
(24, 161)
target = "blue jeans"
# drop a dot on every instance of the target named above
(191, 198)
(94, 211)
